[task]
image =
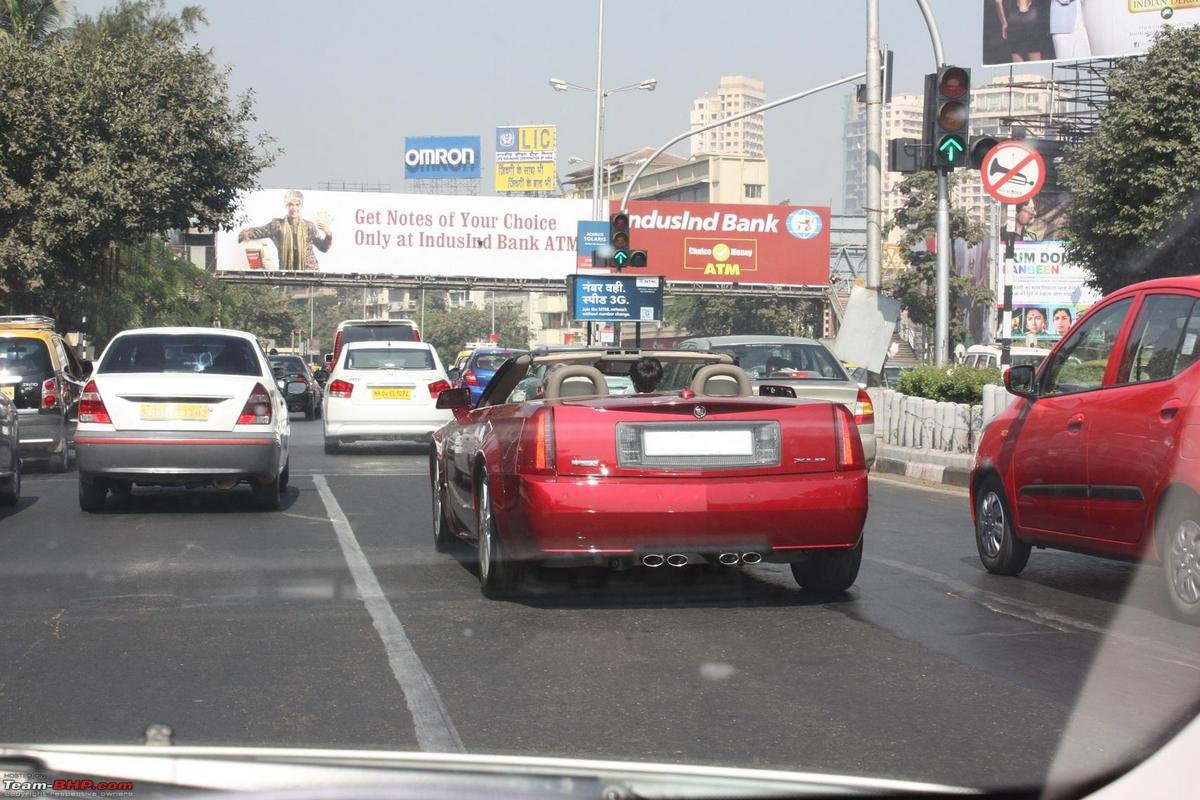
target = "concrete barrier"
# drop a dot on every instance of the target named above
(921, 423)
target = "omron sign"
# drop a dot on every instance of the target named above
(441, 157)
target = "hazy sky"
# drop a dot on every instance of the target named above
(339, 85)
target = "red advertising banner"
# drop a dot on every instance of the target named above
(732, 243)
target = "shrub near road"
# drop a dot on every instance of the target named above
(954, 385)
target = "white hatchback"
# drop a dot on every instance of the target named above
(181, 406)
(384, 391)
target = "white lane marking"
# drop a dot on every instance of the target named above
(435, 731)
(1031, 612)
(959, 491)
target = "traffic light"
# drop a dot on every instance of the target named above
(948, 112)
(620, 255)
(980, 147)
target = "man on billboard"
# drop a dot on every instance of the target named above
(296, 239)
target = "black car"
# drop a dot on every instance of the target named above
(298, 385)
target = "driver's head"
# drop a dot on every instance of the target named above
(775, 363)
(646, 372)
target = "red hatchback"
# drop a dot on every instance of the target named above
(1102, 453)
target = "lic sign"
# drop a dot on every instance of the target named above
(441, 157)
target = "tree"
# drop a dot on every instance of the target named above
(1134, 213)
(31, 21)
(448, 329)
(723, 315)
(113, 135)
(916, 285)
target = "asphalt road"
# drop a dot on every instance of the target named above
(335, 623)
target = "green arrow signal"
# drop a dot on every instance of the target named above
(620, 257)
(951, 148)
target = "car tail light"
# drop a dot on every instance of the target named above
(470, 379)
(864, 409)
(416, 335)
(437, 387)
(849, 445)
(91, 406)
(337, 345)
(257, 410)
(536, 453)
(49, 393)
(340, 388)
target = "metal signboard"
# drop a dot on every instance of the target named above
(615, 298)
(441, 157)
(589, 235)
(525, 158)
(1013, 172)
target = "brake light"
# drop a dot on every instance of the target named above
(849, 445)
(337, 345)
(437, 387)
(416, 335)
(340, 388)
(91, 406)
(470, 379)
(536, 454)
(49, 393)
(864, 409)
(257, 410)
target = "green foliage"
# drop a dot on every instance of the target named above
(448, 329)
(113, 134)
(31, 21)
(1134, 211)
(916, 286)
(952, 385)
(724, 316)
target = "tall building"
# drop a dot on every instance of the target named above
(735, 93)
(992, 108)
(699, 179)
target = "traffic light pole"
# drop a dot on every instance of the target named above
(874, 155)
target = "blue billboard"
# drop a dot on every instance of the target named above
(615, 298)
(441, 157)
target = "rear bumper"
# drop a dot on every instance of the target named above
(782, 517)
(41, 434)
(157, 457)
(418, 426)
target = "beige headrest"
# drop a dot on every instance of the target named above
(722, 380)
(585, 381)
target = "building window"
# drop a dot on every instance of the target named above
(754, 190)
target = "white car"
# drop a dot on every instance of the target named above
(384, 391)
(182, 406)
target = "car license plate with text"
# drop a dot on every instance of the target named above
(688, 443)
(392, 393)
(173, 411)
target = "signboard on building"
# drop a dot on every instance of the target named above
(525, 158)
(441, 157)
(404, 234)
(1069, 30)
(615, 298)
(698, 242)
(590, 235)
(1049, 292)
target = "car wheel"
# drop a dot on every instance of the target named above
(10, 491)
(317, 412)
(286, 475)
(498, 576)
(1180, 550)
(443, 537)
(331, 446)
(829, 571)
(310, 412)
(1001, 552)
(266, 493)
(58, 461)
(91, 494)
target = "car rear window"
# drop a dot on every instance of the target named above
(25, 357)
(286, 363)
(389, 358)
(205, 353)
(398, 332)
(491, 361)
(808, 360)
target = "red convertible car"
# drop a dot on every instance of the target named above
(549, 468)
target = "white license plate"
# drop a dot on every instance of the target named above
(697, 443)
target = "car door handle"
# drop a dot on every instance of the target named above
(1169, 410)
(1075, 423)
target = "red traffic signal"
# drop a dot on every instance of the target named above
(954, 82)
(618, 232)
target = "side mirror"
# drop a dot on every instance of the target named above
(455, 375)
(1020, 380)
(455, 399)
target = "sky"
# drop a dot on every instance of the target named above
(339, 85)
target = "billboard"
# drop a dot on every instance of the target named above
(525, 158)
(698, 242)
(1066, 30)
(615, 298)
(403, 234)
(441, 157)
(1049, 292)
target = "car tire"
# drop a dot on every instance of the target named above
(1001, 552)
(92, 494)
(317, 412)
(443, 536)
(829, 571)
(499, 576)
(331, 446)
(266, 493)
(310, 413)
(57, 463)
(1179, 548)
(10, 490)
(285, 476)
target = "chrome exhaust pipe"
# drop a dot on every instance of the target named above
(729, 559)
(652, 560)
(677, 560)
(751, 558)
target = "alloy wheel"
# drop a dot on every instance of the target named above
(991, 524)
(1183, 561)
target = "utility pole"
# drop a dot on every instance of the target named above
(874, 156)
